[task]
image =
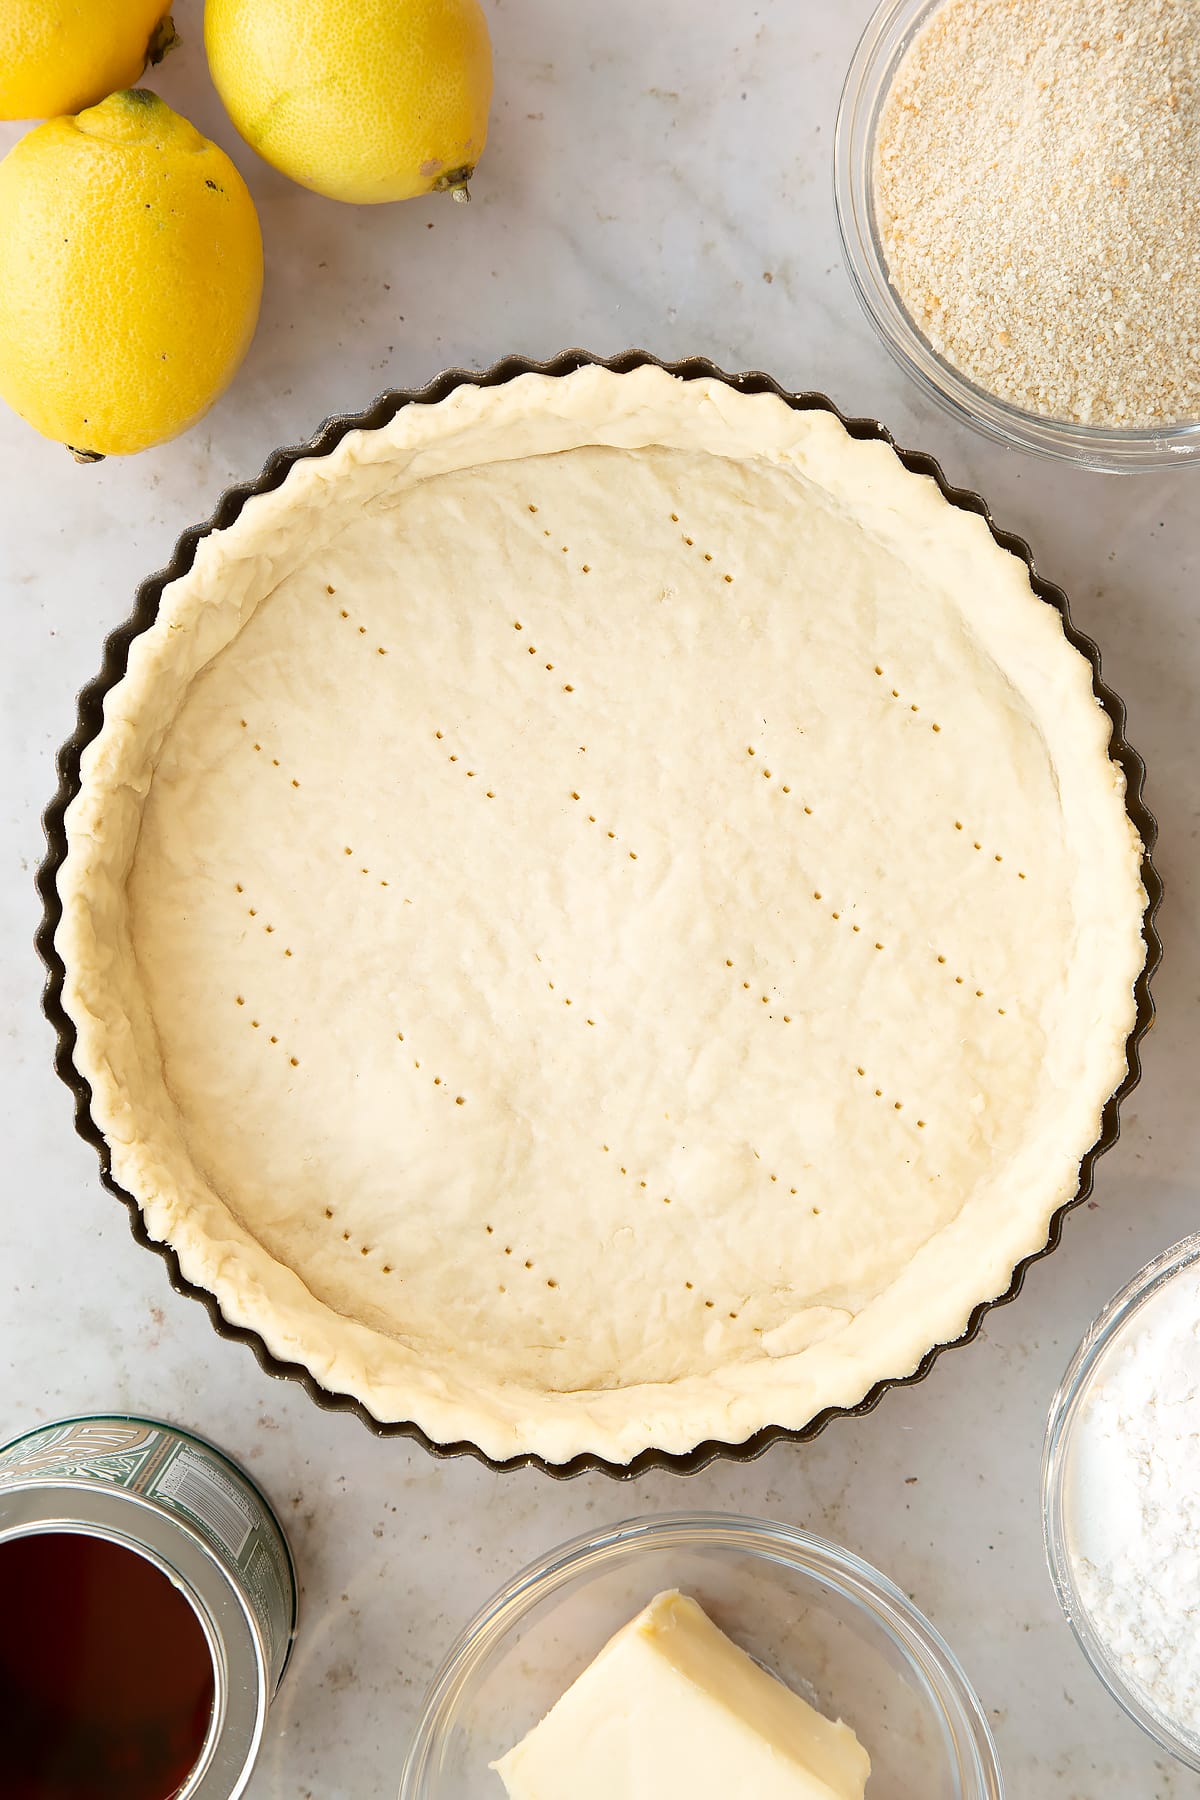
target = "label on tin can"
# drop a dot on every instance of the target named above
(187, 1478)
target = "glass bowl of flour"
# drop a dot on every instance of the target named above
(1014, 183)
(1121, 1494)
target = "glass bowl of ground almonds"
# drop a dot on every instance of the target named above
(1016, 187)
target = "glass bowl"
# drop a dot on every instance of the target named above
(883, 44)
(1059, 1470)
(839, 1633)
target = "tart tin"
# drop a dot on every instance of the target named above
(810, 1610)
(1107, 1330)
(90, 715)
(1105, 449)
(195, 1516)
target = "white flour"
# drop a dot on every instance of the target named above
(1134, 1502)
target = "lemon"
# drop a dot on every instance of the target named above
(57, 56)
(132, 264)
(362, 100)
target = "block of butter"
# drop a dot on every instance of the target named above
(672, 1710)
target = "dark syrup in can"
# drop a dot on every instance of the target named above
(106, 1675)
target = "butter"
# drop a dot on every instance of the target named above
(671, 1708)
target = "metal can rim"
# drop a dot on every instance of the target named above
(193, 1437)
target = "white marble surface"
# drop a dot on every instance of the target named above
(658, 175)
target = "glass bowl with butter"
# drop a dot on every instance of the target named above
(653, 1648)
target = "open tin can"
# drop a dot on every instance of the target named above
(114, 1484)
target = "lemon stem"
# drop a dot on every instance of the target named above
(86, 456)
(454, 181)
(164, 38)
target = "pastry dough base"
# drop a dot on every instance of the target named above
(601, 917)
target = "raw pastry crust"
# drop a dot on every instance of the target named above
(601, 916)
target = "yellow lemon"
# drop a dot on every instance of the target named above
(57, 56)
(359, 99)
(132, 264)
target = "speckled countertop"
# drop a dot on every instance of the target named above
(657, 176)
